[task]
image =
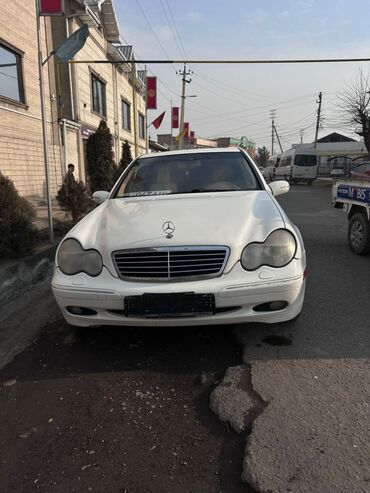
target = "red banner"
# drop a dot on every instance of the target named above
(192, 136)
(175, 117)
(186, 130)
(51, 7)
(151, 93)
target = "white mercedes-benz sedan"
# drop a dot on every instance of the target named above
(190, 237)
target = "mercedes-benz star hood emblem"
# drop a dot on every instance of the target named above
(168, 227)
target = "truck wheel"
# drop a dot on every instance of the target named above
(309, 182)
(359, 234)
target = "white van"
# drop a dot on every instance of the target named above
(268, 170)
(297, 165)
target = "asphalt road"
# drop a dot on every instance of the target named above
(313, 435)
(128, 410)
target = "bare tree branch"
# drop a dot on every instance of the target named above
(354, 105)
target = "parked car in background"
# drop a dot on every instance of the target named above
(342, 166)
(190, 237)
(361, 171)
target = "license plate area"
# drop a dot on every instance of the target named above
(169, 305)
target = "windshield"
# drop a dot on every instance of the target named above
(188, 173)
(305, 160)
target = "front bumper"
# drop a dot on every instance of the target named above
(237, 293)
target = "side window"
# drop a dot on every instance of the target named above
(98, 95)
(126, 115)
(141, 126)
(11, 74)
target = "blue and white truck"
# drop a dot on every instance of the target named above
(353, 196)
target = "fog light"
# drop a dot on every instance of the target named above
(80, 310)
(278, 305)
(271, 306)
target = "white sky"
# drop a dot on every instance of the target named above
(235, 100)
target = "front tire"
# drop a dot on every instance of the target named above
(359, 234)
(309, 182)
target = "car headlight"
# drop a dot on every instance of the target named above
(72, 259)
(276, 251)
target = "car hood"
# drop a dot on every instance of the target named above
(233, 219)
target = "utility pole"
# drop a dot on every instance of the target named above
(318, 118)
(272, 116)
(133, 82)
(184, 73)
(43, 119)
(278, 139)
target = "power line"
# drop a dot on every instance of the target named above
(154, 34)
(247, 109)
(170, 26)
(228, 62)
(178, 34)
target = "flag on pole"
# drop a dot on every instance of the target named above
(175, 117)
(186, 130)
(151, 93)
(72, 45)
(181, 134)
(157, 122)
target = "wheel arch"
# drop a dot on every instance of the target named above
(358, 209)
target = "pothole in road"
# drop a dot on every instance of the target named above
(275, 340)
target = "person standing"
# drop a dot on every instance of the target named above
(69, 178)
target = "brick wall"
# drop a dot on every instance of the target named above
(21, 150)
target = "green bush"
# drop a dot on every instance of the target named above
(17, 233)
(73, 197)
(101, 167)
(125, 160)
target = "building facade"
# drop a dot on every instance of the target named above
(78, 96)
(21, 146)
(243, 142)
(171, 143)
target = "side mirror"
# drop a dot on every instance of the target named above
(279, 187)
(100, 196)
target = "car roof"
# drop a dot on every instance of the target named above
(191, 151)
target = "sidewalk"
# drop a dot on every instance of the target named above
(41, 222)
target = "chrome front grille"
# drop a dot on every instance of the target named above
(171, 263)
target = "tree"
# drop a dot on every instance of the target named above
(17, 233)
(125, 160)
(99, 155)
(73, 197)
(262, 156)
(355, 102)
